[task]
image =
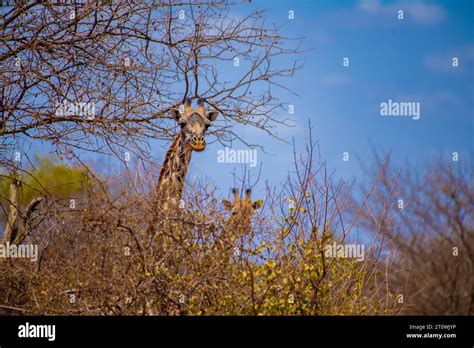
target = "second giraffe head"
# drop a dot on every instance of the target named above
(194, 123)
(243, 207)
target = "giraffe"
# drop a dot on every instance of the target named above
(193, 123)
(242, 210)
(237, 227)
(193, 126)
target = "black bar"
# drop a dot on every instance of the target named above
(244, 330)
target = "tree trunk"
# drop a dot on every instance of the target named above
(12, 212)
(25, 222)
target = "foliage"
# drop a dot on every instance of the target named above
(48, 178)
(120, 254)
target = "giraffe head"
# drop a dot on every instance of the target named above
(194, 123)
(242, 208)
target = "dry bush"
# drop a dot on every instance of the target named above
(117, 253)
(431, 235)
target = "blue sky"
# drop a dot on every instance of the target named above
(405, 60)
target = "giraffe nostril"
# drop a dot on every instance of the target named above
(198, 139)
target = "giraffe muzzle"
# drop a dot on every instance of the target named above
(197, 143)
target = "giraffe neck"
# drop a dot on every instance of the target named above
(172, 174)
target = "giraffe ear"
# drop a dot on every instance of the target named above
(257, 204)
(227, 204)
(176, 114)
(212, 115)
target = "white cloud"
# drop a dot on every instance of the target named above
(416, 11)
(442, 62)
(371, 6)
(335, 80)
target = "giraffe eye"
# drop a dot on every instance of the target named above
(233, 213)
